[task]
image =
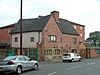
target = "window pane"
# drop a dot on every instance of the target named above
(74, 41)
(16, 39)
(52, 38)
(32, 39)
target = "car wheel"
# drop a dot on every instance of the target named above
(79, 60)
(2, 73)
(19, 70)
(72, 60)
(36, 67)
(63, 60)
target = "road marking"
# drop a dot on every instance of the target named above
(88, 64)
(91, 63)
(51, 73)
(74, 67)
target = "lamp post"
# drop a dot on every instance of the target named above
(21, 28)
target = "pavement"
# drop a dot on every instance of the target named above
(52, 62)
(45, 62)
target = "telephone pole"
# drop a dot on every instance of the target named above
(21, 28)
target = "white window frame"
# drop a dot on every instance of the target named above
(52, 38)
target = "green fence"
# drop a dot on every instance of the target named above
(98, 51)
(33, 53)
(11, 52)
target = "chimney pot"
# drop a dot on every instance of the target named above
(55, 14)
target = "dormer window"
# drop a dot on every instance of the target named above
(58, 21)
(75, 26)
(81, 28)
(81, 35)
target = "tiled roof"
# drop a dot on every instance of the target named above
(8, 26)
(31, 25)
(77, 24)
(37, 24)
(66, 27)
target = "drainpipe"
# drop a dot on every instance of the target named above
(86, 52)
(38, 37)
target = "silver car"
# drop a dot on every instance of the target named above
(18, 64)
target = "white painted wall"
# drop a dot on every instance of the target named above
(26, 43)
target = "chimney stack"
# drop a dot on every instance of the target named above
(55, 14)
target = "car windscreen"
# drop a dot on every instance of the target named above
(10, 58)
(66, 54)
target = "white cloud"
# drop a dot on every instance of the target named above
(9, 11)
(85, 12)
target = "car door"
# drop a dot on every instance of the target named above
(75, 57)
(78, 57)
(30, 63)
(23, 62)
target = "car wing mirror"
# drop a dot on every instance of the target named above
(30, 59)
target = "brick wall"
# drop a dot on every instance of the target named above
(64, 41)
(5, 37)
(80, 29)
(51, 29)
(4, 34)
(93, 53)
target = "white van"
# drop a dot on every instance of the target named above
(71, 57)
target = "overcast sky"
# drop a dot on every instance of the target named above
(85, 12)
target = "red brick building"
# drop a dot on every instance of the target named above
(81, 31)
(5, 39)
(55, 35)
(52, 35)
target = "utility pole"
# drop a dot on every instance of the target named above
(21, 28)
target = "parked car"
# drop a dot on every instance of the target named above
(18, 63)
(71, 57)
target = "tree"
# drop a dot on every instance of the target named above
(95, 36)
